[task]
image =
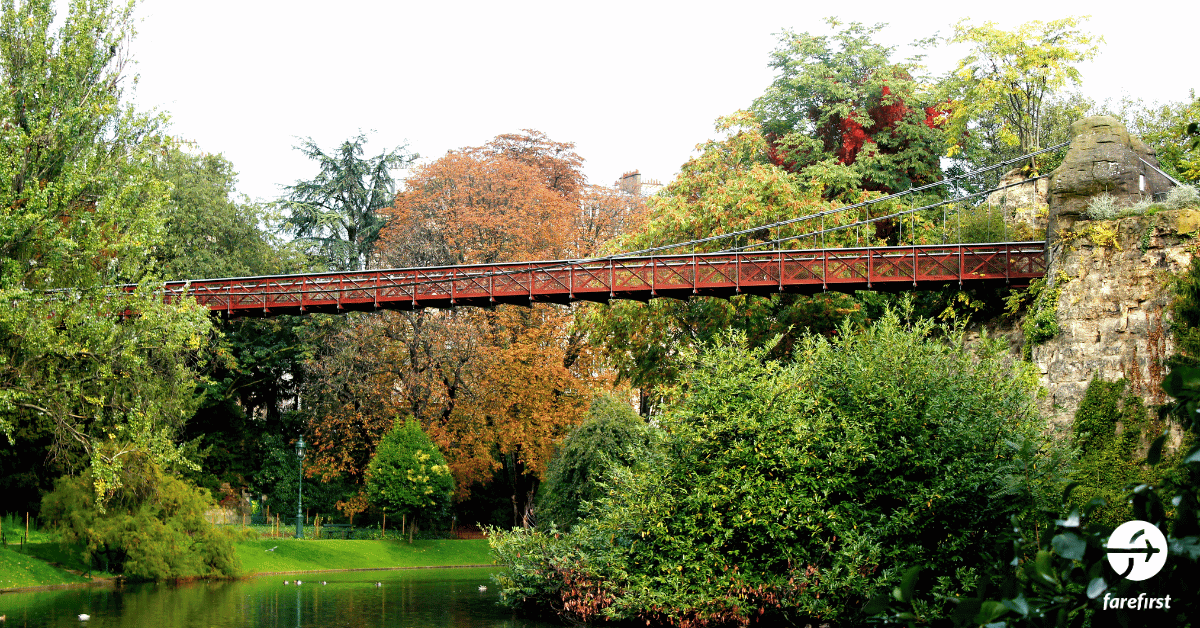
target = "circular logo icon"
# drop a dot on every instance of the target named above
(1137, 550)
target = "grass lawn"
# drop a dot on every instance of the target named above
(32, 567)
(310, 555)
(29, 570)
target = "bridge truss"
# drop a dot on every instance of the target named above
(721, 274)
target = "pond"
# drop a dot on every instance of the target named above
(434, 598)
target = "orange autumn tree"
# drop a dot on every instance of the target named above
(497, 388)
(345, 403)
(513, 199)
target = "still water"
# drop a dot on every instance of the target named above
(419, 598)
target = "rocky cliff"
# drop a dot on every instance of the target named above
(1112, 277)
(1113, 308)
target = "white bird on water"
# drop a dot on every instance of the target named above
(84, 617)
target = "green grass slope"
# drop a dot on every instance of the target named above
(19, 570)
(308, 555)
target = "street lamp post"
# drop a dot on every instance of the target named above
(300, 491)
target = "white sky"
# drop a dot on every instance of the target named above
(636, 85)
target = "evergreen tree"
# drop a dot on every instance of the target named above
(336, 214)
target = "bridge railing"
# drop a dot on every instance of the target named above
(642, 278)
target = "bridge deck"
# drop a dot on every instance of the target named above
(639, 278)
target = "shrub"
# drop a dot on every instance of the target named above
(1102, 207)
(1066, 578)
(611, 435)
(1181, 197)
(152, 530)
(783, 489)
(408, 474)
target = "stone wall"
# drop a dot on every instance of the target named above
(1113, 310)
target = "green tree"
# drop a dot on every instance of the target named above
(1061, 574)
(408, 474)
(845, 116)
(278, 478)
(1009, 77)
(207, 233)
(153, 528)
(785, 488)
(987, 142)
(254, 377)
(612, 435)
(106, 371)
(336, 214)
(255, 366)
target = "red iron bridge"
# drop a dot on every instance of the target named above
(722, 274)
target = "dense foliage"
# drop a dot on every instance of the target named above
(729, 187)
(1065, 578)
(1008, 77)
(494, 388)
(1055, 571)
(1171, 129)
(611, 436)
(786, 488)
(1110, 429)
(207, 232)
(844, 116)
(408, 476)
(79, 203)
(152, 529)
(792, 466)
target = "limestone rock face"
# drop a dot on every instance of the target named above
(1102, 158)
(1025, 203)
(1113, 312)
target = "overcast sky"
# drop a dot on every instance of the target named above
(636, 85)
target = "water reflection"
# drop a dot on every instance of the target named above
(434, 598)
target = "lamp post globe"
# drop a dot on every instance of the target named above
(300, 491)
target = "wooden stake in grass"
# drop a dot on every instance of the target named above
(383, 530)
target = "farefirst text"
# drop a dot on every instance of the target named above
(1136, 603)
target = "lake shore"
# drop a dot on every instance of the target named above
(27, 572)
